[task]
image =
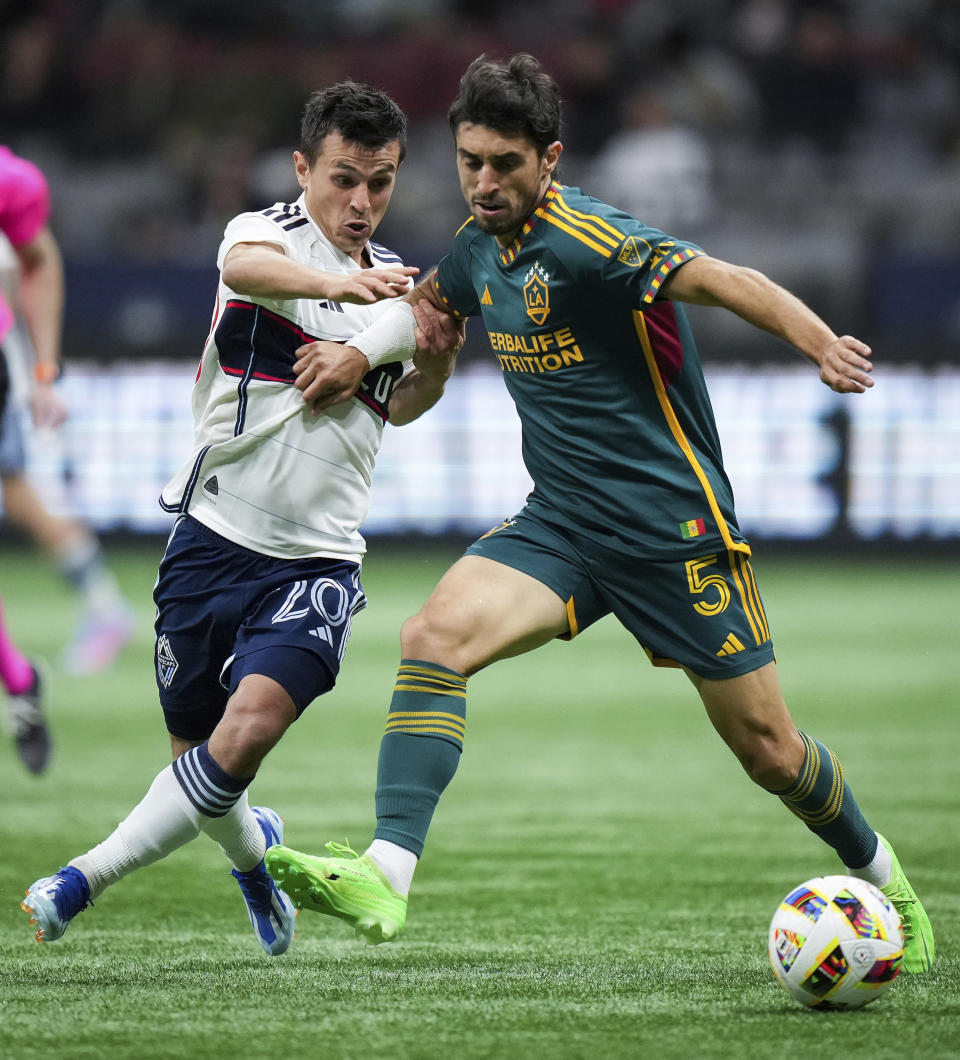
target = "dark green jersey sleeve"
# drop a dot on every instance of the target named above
(643, 260)
(453, 279)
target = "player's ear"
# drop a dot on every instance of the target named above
(302, 167)
(551, 156)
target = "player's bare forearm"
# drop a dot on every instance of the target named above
(439, 339)
(262, 270)
(413, 396)
(843, 361)
(41, 298)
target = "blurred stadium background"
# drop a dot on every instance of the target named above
(817, 141)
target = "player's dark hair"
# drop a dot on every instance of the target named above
(362, 115)
(512, 96)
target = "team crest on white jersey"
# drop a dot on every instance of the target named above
(167, 664)
(536, 293)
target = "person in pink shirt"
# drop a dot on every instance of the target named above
(106, 622)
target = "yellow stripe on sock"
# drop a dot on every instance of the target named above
(830, 810)
(426, 715)
(440, 675)
(431, 682)
(808, 776)
(425, 729)
(398, 687)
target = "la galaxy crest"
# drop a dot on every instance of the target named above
(536, 293)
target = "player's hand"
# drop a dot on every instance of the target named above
(368, 285)
(46, 406)
(440, 337)
(329, 373)
(844, 366)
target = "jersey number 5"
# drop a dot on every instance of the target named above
(705, 583)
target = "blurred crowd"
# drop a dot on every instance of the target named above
(812, 139)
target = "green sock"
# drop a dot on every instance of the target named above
(420, 750)
(822, 799)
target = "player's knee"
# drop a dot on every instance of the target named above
(770, 764)
(251, 727)
(420, 638)
(427, 635)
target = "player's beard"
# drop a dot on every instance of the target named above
(509, 223)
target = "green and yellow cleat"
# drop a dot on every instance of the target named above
(917, 932)
(346, 885)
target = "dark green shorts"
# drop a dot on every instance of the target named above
(702, 612)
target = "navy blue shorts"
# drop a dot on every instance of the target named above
(224, 612)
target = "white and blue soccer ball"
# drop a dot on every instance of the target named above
(835, 942)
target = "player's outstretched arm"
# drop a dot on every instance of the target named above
(843, 361)
(262, 270)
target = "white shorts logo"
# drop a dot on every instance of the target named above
(167, 664)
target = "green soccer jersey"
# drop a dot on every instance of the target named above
(618, 431)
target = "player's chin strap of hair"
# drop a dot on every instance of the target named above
(391, 337)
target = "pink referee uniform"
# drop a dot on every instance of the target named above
(24, 210)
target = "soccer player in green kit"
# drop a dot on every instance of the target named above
(631, 511)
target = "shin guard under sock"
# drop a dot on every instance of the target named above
(420, 750)
(821, 798)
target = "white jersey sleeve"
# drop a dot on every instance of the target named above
(252, 228)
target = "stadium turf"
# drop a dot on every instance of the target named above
(599, 878)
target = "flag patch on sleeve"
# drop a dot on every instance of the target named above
(693, 528)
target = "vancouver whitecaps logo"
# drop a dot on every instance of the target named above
(167, 664)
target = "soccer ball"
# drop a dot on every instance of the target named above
(835, 942)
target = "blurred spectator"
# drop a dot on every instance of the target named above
(158, 122)
(655, 168)
(810, 84)
(35, 288)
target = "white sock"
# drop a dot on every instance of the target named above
(877, 871)
(397, 863)
(162, 821)
(239, 835)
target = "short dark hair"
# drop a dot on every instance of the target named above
(512, 96)
(362, 115)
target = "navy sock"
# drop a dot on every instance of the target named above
(211, 789)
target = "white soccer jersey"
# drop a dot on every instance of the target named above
(266, 472)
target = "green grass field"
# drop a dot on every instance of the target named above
(599, 877)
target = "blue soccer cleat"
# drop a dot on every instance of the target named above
(272, 914)
(54, 901)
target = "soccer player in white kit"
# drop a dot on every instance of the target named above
(261, 575)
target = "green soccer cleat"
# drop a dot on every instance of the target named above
(346, 885)
(917, 933)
